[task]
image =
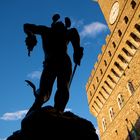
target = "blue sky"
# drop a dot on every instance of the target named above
(15, 96)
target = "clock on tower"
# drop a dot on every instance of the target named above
(114, 12)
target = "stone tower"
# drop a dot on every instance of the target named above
(113, 88)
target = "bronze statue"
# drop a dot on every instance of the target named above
(57, 63)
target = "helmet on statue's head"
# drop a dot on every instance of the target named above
(60, 24)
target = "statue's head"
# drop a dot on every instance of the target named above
(57, 23)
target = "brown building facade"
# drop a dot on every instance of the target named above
(113, 88)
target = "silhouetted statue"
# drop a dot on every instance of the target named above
(57, 63)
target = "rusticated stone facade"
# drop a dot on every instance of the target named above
(113, 88)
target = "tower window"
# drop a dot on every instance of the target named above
(118, 66)
(137, 27)
(138, 103)
(126, 19)
(119, 33)
(130, 87)
(99, 100)
(97, 79)
(105, 62)
(104, 124)
(137, 39)
(126, 120)
(109, 53)
(116, 132)
(130, 45)
(111, 113)
(102, 95)
(111, 79)
(108, 84)
(105, 90)
(133, 4)
(114, 45)
(97, 104)
(122, 59)
(94, 109)
(126, 52)
(134, 36)
(90, 93)
(120, 101)
(94, 86)
(101, 71)
(115, 73)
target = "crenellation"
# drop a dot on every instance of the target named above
(99, 57)
(107, 38)
(103, 48)
(92, 73)
(96, 65)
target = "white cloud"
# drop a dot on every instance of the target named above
(93, 29)
(95, 0)
(68, 109)
(97, 131)
(77, 23)
(34, 75)
(10, 116)
(3, 138)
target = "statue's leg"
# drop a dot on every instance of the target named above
(46, 81)
(45, 88)
(36, 105)
(63, 79)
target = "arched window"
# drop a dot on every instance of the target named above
(126, 19)
(104, 124)
(109, 53)
(101, 71)
(111, 113)
(133, 4)
(97, 79)
(93, 86)
(90, 93)
(105, 62)
(120, 100)
(130, 87)
(114, 45)
(119, 33)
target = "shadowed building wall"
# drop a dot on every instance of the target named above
(113, 88)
